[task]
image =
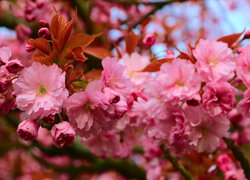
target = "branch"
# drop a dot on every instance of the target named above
(239, 156)
(157, 7)
(176, 165)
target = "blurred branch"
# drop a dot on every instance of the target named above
(239, 156)
(157, 6)
(176, 165)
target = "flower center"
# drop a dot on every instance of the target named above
(212, 61)
(42, 90)
(179, 83)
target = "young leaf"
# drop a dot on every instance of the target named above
(98, 52)
(155, 65)
(131, 42)
(41, 44)
(230, 39)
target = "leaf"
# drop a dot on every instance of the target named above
(93, 75)
(185, 55)
(66, 31)
(75, 54)
(40, 44)
(230, 39)
(131, 42)
(56, 25)
(43, 58)
(82, 40)
(155, 65)
(98, 52)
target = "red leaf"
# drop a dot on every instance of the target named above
(82, 40)
(131, 42)
(155, 65)
(66, 31)
(98, 52)
(56, 25)
(41, 44)
(43, 58)
(231, 39)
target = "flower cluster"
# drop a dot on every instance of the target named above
(183, 104)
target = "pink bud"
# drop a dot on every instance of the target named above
(29, 48)
(43, 23)
(30, 7)
(14, 66)
(28, 129)
(30, 17)
(247, 35)
(234, 116)
(40, 3)
(22, 32)
(43, 32)
(149, 40)
(49, 119)
(225, 163)
(63, 134)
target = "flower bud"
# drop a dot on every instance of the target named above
(22, 32)
(43, 23)
(149, 40)
(43, 32)
(50, 119)
(29, 48)
(28, 129)
(63, 134)
(14, 66)
(40, 3)
(30, 17)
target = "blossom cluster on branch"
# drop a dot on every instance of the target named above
(162, 114)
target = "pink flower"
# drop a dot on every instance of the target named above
(63, 134)
(28, 129)
(40, 90)
(214, 60)
(218, 98)
(225, 163)
(204, 132)
(113, 76)
(101, 144)
(177, 80)
(5, 54)
(243, 66)
(14, 66)
(235, 175)
(244, 105)
(95, 108)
